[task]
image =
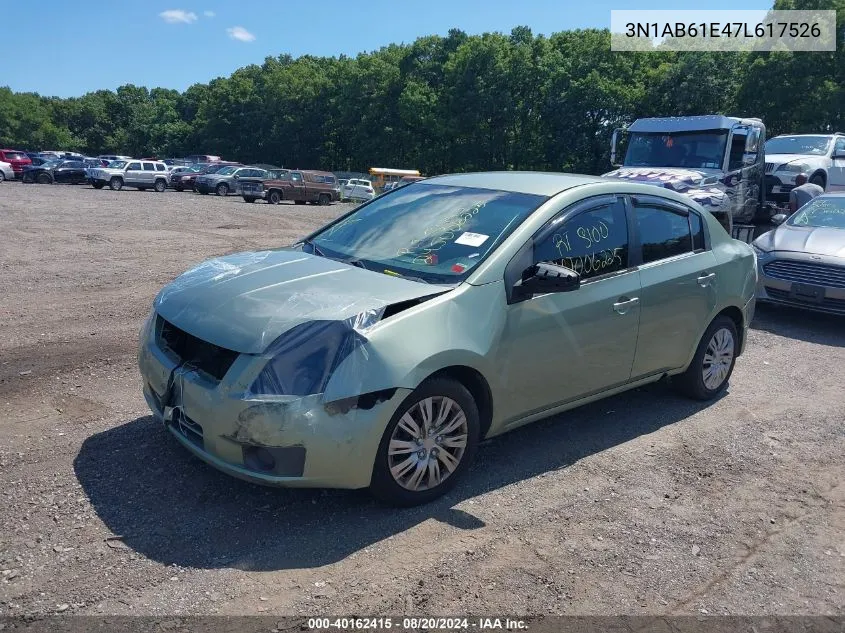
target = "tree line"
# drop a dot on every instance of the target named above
(441, 104)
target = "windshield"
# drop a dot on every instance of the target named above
(117, 164)
(822, 212)
(226, 171)
(696, 150)
(432, 232)
(212, 169)
(814, 145)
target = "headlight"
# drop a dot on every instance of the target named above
(794, 167)
(301, 361)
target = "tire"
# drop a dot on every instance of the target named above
(98, 185)
(324, 200)
(436, 391)
(274, 197)
(116, 184)
(818, 179)
(249, 199)
(692, 382)
(222, 189)
(43, 179)
(3, 177)
(160, 186)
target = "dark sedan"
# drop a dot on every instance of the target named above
(186, 180)
(57, 171)
(802, 261)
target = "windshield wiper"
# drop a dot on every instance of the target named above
(353, 261)
(314, 249)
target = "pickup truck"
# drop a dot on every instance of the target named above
(300, 185)
(717, 161)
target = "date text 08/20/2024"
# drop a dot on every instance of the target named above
(412, 623)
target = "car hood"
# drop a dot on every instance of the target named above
(245, 301)
(804, 239)
(689, 182)
(780, 159)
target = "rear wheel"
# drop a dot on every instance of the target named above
(274, 197)
(160, 186)
(222, 189)
(43, 179)
(427, 445)
(324, 200)
(116, 184)
(713, 363)
(249, 199)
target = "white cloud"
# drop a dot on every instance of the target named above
(240, 33)
(178, 16)
(209, 14)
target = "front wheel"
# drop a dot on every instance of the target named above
(222, 189)
(274, 197)
(116, 184)
(160, 186)
(713, 363)
(818, 179)
(427, 445)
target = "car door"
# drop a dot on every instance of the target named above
(77, 172)
(836, 172)
(63, 172)
(134, 174)
(679, 283)
(564, 346)
(148, 175)
(297, 185)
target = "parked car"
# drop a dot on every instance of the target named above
(175, 173)
(177, 162)
(299, 185)
(226, 180)
(328, 363)
(58, 171)
(188, 179)
(820, 156)
(357, 189)
(136, 173)
(113, 157)
(202, 158)
(6, 171)
(18, 160)
(802, 261)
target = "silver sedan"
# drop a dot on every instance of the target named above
(802, 261)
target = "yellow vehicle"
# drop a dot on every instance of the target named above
(382, 176)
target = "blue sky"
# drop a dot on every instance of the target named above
(67, 48)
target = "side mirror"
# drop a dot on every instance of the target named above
(779, 219)
(545, 278)
(237, 177)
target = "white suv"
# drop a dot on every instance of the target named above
(141, 174)
(820, 156)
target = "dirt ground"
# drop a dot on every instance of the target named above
(645, 503)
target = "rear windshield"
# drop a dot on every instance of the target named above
(15, 155)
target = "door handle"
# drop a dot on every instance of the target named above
(704, 280)
(623, 305)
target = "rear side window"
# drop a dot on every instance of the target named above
(149, 167)
(134, 167)
(160, 167)
(296, 176)
(697, 230)
(663, 233)
(592, 243)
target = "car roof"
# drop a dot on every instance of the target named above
(676, 124)
(532, 182)
(831, 134)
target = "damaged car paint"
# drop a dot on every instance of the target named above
(380, 350)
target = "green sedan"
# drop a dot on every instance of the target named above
(381, 349)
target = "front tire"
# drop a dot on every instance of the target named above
(428, 444)
(116, 184)
(222, 189)
(274, 197)
(818, 179)
(713, 363)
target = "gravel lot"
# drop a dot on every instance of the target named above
(642, 504)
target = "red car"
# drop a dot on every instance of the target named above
(18, 160)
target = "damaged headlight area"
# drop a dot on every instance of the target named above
(302, 360)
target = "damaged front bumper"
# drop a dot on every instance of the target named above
(276, 440)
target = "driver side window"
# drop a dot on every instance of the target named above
(592, 243)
